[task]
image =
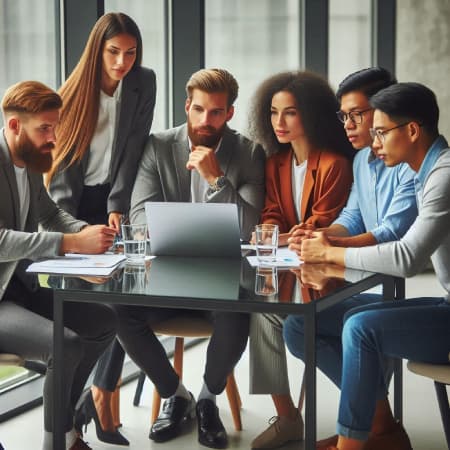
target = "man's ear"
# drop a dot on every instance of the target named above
(187, 105)
(414, 131)
(13, 124)
(230, 113)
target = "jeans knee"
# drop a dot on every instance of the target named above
(293, 334)
(355, 329)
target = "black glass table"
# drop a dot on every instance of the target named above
(224, 285)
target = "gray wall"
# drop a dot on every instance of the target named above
(423, 49)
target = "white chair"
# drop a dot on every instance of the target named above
(440, 374)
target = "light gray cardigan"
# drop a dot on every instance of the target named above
(429, 235)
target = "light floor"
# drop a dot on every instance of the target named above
(421, 415)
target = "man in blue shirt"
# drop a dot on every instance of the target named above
(381, 208)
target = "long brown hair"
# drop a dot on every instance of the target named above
(81, 91)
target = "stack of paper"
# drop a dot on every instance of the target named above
(76, 264)
(284, 258)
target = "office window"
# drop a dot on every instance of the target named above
(150, 18)
(27, 51)
(350, 35)
(27, 47)
(252, 39)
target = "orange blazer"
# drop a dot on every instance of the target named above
(327, 185)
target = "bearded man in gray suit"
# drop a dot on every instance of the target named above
(200, 161)
(31, 113)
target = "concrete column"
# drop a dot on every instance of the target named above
(423, 49)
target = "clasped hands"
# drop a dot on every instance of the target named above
(309, 244)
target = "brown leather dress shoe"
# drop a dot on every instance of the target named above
(394, 439)
(329, 442)
(79, 444)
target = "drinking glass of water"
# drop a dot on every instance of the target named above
(266, 239)
(134, 242)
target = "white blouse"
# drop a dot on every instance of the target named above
(298, 180)
(97, 171)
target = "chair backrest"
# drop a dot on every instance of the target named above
(184, 325)
(437, 372)
(9, 359)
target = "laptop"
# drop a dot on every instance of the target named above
(193, 229)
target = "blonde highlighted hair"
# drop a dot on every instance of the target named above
(213, 80)
(81, 91)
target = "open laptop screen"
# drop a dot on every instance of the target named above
(193, 229)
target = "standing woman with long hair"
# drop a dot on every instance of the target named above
(308, 180)
(108, 104)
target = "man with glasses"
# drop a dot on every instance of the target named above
(381, 208)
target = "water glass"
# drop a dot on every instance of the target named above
(266, 238)
(134, 242)
(266, 282)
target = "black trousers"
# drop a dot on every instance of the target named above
(225, 347)
(93, 209)
(26, 329)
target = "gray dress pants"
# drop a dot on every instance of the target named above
(26, 329)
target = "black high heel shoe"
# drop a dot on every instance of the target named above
(86, 412)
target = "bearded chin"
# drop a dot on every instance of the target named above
(39, 163)
(208, 140)
(34, 159)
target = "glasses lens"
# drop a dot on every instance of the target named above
(356, 117)
(373, 133)
(342, 116)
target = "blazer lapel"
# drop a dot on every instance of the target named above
(285, 182)
(128, 103)
(226, 150)
(10, 177)
(180, 154)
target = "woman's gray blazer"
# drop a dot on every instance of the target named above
(134, 123)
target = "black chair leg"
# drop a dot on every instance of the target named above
(442, 397)
(139, 388)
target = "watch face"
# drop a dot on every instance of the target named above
(221, 182)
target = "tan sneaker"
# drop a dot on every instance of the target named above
(280, 431)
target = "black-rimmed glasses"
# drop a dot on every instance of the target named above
(380, 134)
(355, 116)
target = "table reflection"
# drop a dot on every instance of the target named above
(220, 278)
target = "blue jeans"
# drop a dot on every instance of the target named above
(416, 329)
(329, 326)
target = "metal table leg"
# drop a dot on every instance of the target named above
(310, 377)
(58, 349)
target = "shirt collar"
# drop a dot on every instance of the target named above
(116, 96)
(371, 157)
(430, 158)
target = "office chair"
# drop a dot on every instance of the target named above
(440, 374)
(182, 327)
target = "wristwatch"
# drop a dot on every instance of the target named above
(217, 184)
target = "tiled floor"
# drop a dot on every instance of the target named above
(421, 416)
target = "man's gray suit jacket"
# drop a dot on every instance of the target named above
(135, 119)
(16, 247)
(163, 176)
